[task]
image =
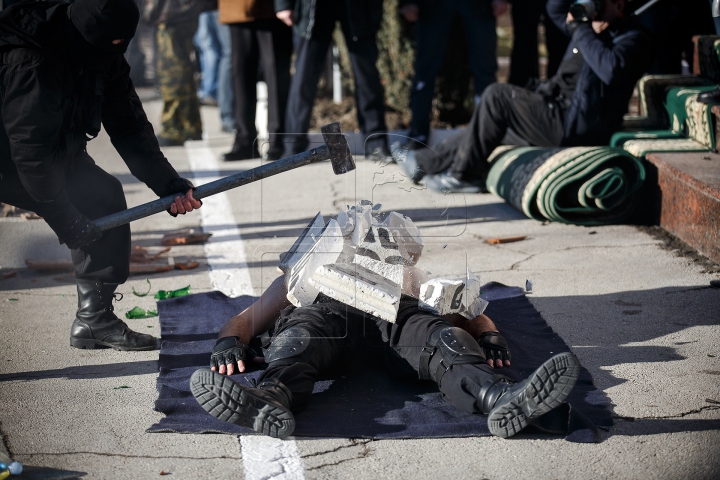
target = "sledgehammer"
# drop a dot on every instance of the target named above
(335, 149)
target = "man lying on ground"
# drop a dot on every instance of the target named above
(330, 337)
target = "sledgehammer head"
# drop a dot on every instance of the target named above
(340, 157)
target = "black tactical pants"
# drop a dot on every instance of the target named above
(343, 339)
(95, 193)
(532, 118)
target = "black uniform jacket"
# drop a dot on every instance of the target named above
(52, 103)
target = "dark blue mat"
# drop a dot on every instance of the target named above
(357, 405)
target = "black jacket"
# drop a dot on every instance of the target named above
(364, 16)
(51, 104)
(614, 61)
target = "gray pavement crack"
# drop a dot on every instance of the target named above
(120, 455)
(354, 443)
(668, 417)
(567, 249)
(364, 453)
(5, 442)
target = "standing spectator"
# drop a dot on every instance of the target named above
(257, 39)
(177, 22)
(213, 42)
(434, 19)
(526, 14)
(136, 57)
(314, 22)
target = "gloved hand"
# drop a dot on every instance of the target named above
(228, 350)
(495, 346)
(81, 233)
(180, 186)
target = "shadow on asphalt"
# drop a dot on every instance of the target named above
(108, 370)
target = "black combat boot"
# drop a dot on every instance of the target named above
(711, 96)
(96, 326)
(265, 409)
(512, 406)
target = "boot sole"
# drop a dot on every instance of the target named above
(91, 344)
(231, 402)
(547, 388)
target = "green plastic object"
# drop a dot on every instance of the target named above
(138, 312)
(165, 294)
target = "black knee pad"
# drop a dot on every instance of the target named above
(455, 346)
(288, 343)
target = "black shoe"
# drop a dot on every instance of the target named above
(511, 407)
(379, 154)
(246, 153)
(273, 153)
(169, 142)
(446, 183)
(265, 409)
(96, 326)
(405, 157)
(712, 96)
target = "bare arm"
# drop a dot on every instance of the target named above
(257, 318)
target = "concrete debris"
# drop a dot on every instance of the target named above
(186, 236)
(356, 221)
(498, 240)
(528, 286)
(472, 305)
(357, 286)
(303, 244)
(407, 236)
(380, 245)
(392, 272)
(325, 250)
(49, 265)
(441, 296)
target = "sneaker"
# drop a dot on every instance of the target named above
(208, 101)
(256, 408)
(446, 183)
(405, 157)
(546, 389)
(246, 153)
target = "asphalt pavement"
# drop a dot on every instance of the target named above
(642, 319)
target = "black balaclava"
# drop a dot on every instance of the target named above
(99, 22)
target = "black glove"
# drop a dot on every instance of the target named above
(228, 350)
(81, 233)
(180, 186)
(494, 345)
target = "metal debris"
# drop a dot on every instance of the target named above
(186, 236)
(498, 240)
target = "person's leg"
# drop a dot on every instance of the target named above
(482, 46)
(244, 74)
(209, 49)
(369, 92)
(275, 43)
(524, 56)
(556, 43)
(431, 36)
(225, 88)
(181, 108)
(310, 55)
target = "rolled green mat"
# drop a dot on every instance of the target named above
(576, 185)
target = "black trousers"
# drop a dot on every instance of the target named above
(503, 107)
(344, 339)
(431, 36)
(526, 14)
(95, 193)
(265, 43)
(311, 54)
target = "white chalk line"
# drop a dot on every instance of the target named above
(263, 457)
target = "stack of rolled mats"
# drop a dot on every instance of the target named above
(576, 185)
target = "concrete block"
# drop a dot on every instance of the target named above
(303, 244)
(325, 250)
(357, 286)
(380, 245)
(22, 239)
(472, 305)
(355, 221)
(407, 236)
(393, 272)
(442, 296)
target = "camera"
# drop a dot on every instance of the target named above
(585, 10)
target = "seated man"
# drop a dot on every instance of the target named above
(329, 336)
(583, 104)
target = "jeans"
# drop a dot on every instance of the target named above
(213, 42)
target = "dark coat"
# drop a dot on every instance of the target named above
(364, 16)
(51, 105)
(614, 61)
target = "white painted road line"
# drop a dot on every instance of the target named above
(263, 457)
